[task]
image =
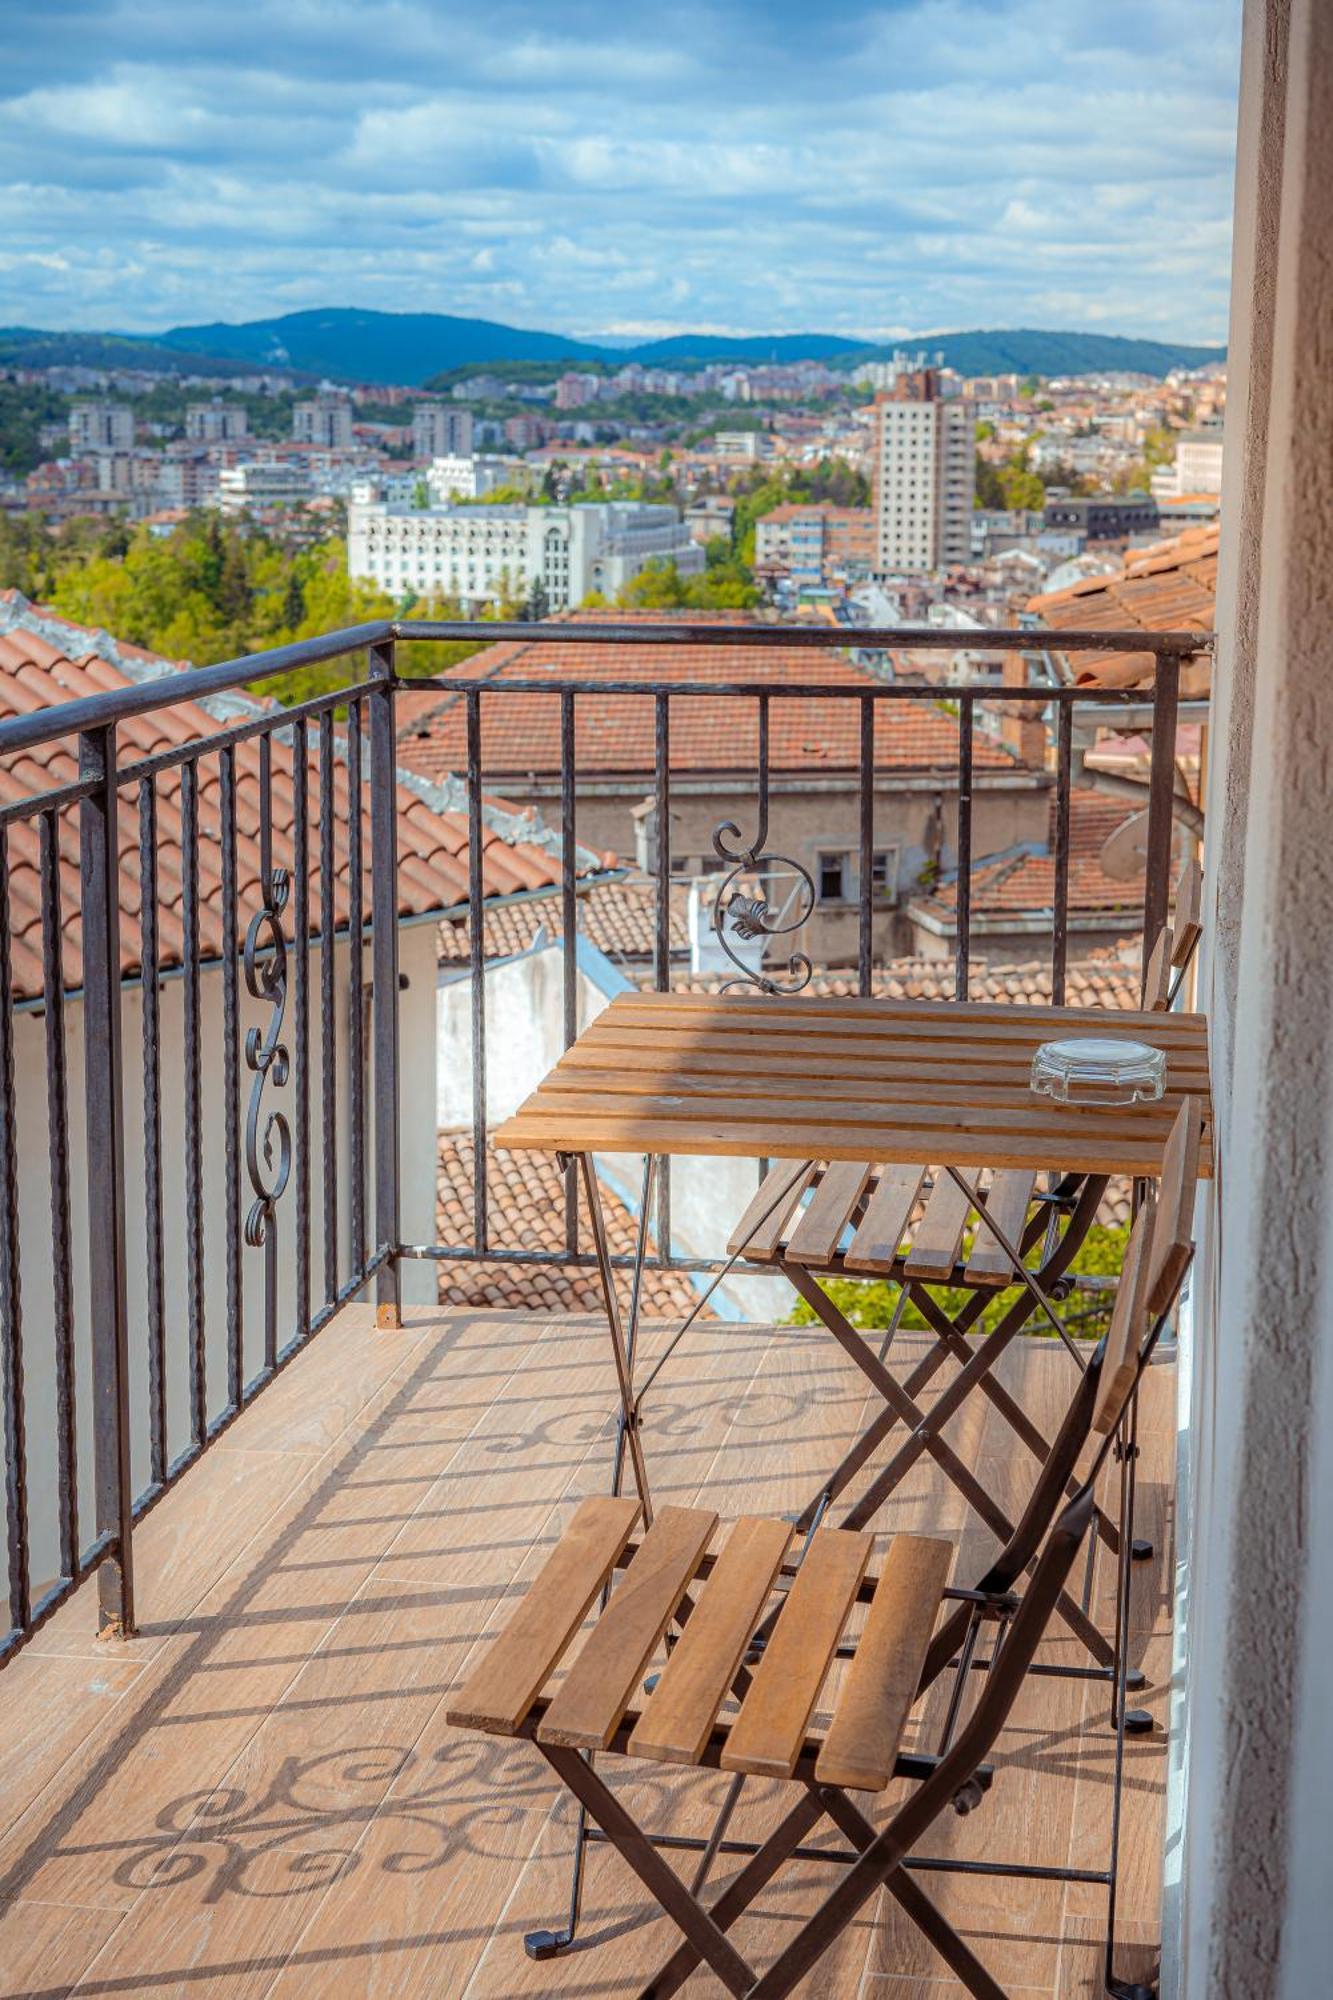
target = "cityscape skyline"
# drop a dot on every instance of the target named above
(884, 171)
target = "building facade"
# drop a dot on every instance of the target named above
(482, 554)
(324, 420)
(95, 427)
(924, 477)
(441, 430)
(812, 543)
(216, 422)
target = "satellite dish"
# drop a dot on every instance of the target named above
(1125, 852)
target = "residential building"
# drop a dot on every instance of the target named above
(813, 543)
(263, 483)
(324, 420)
(483, 554)
(744, 447)
(924, 476)
(1199, 461)
(573, 391)
(216, 422)
(470, 476)
(1106, 517)
(440, 430)
(95, 427)
(710, 519)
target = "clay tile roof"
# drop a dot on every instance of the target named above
(521, 732)
(1109, 980)
(619, 917)
(1022, 882)
(526, 1208)
(1171, 586)
(45, 660)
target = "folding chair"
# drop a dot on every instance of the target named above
(719, 1602)
(910, 1225)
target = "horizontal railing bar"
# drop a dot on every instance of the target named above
(270, 724)
(862, 638)
(96, 711)
(52, 801)
(917, 691)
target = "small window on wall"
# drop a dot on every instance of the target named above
(833, 877)
(884, 875)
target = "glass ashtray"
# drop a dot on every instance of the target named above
(1099, 1069)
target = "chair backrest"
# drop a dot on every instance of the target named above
(1188, 915)
(1129, 1325)
(1173, 1228)
(1157, 973)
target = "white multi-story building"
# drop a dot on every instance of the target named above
(216, 422)
(482, 554)
(283, 483)
(1199, 461)
(440, 430)
(97, 427)
(469, 476)
(924, 477)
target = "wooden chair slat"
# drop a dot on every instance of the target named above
(1128, 1328)
(1173, 1229)
(681, 1711)
(760, 1230)
(1007, 1200)
(863, 1737)
(770, 1731)
(1188, 913)
(884, 1224)
(821, 1222)
(513, 1670)
(586, 1709)
(938, 1237)
(1157, 977)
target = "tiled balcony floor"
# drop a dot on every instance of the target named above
(259, 1794)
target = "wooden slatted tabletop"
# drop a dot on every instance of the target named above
(839, 1079)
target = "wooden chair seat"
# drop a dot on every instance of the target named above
(901, 1220)
(730, 1595)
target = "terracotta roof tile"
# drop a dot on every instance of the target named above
(36, 674)
(526, 1203)
(1171, 586)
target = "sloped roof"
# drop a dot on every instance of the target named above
(619, 917)
(615, 733)
(1107, 980)
(1023, 884)
(46, 660)
(1170, 587)
(526, 1209)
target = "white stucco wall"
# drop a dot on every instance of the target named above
(1256, 1833)
(418, 1142)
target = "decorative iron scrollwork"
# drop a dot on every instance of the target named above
(751, 916)
(266, 1054)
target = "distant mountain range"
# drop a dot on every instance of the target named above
(349, 345)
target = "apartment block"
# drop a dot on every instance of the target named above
(811, 543)
(324, 420)
(216, 422)
(923, 476)
(441, 431)
(482, 554)
(456, 476)
(95, 427)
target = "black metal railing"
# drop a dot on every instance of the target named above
(258, 1107)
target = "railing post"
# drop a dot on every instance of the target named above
(99, 872)
(1161, 792)
(384, 979)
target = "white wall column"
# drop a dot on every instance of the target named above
(1258, 1832)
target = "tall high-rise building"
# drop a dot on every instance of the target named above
(100, 427)
(439, 431)
(924, 476)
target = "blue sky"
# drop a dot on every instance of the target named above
(621, 168)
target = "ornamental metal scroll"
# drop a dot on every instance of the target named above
(268, 1138)
(754, 916)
